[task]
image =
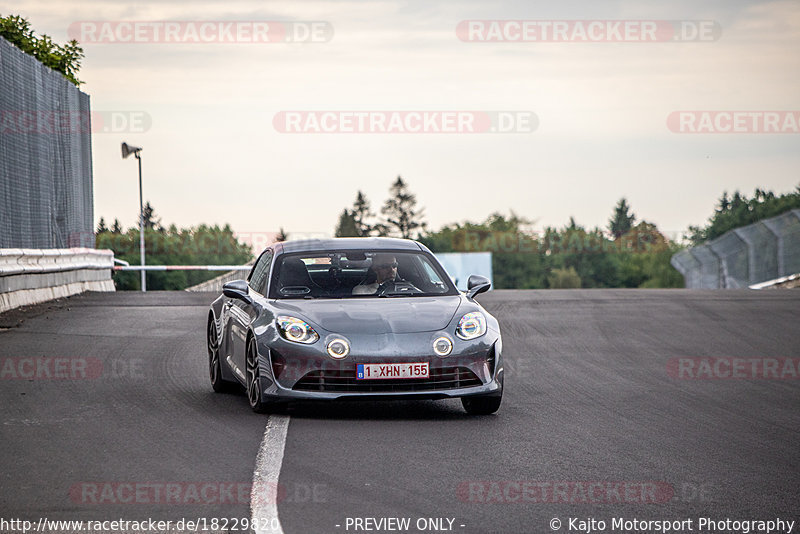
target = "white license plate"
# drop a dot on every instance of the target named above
(377, 371)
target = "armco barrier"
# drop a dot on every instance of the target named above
(29, 276)
(744, 257)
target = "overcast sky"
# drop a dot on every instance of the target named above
(213, 155)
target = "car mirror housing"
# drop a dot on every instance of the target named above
(237, 289)
(477, 284)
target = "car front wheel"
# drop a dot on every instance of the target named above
(483, 404)
(254, 379)
(214, 366)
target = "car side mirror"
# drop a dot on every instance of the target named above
(237, 289)
(477, 284)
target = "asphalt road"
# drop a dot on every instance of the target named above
(589, 399)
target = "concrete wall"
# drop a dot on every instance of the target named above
(30, 276)
(215, 284)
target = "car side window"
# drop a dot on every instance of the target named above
(432, 276)
(258, 280)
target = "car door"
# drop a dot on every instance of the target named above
(243, 313)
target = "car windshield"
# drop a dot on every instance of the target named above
(359, 274)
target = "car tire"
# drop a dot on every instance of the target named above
(219, 384)
(483, 404)
(253, 379)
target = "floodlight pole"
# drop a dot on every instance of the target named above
(127, 150)
(141, 223)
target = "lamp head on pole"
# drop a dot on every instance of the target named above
(127, 150)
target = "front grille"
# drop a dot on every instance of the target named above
(345, 380)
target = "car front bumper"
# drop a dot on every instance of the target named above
(293, 372)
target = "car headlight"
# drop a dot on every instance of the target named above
(338, 348)
(442, 346)
(471, 325)
(293, 329)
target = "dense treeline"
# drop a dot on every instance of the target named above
(568, 257)
(738, 210)
(199, 245)
(626, 255)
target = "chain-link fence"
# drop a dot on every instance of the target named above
(45, 156)
(766, 250)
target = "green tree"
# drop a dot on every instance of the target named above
(589, 252)
(116, 228)
(740, 211)
(151, 222)
(361, 215)
(347, 225)
(355, 222)
(622, 220)
(564, 279)
(200, 245)
(282, 236)
(724, 203)
(401, 216)
(101, 226)
(523, 260)
(64, 59)
(516, 261)
(644, 254)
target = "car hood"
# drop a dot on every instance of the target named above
(400, 315)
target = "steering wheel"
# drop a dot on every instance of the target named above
(398, 286)
(384, 287)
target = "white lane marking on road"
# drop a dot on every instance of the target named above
(264, 492)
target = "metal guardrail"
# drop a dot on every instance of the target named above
(15, 261)
(784, 281)
(766, 250)
(29, 276)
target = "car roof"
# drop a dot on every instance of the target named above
(348, 243)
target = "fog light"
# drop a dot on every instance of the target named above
(338, 348)
(442, 346)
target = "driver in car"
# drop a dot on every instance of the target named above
(385, 268)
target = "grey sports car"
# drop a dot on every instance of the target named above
(372, 318)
